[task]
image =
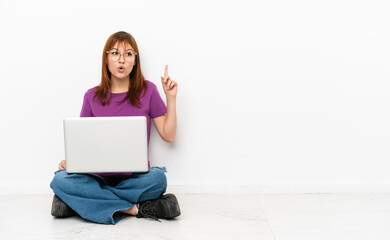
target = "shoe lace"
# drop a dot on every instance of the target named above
(149, 212)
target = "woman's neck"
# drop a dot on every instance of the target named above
(119, 85)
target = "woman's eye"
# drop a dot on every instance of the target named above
(114, 53)
(129, 54)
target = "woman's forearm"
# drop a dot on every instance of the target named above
(170, 122)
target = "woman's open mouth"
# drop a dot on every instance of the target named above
(121, 69)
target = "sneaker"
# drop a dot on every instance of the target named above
(60, 209)
(165, 207)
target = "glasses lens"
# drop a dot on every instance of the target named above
(129, 56)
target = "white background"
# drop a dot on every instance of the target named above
(270, 92)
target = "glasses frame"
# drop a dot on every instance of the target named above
(121, 54)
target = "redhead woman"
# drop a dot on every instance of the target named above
(108, 197)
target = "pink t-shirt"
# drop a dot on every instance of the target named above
(152, 106)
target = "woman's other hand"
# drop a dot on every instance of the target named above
(62, 164)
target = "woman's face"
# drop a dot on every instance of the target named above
(120, 60)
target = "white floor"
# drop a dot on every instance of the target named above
(215, 216)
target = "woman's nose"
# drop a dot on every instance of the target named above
(121, 57)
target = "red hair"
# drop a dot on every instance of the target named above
(137, 80)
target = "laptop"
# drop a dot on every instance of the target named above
(106, 144)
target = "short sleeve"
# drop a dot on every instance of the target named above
(157, 106)
(86, 110)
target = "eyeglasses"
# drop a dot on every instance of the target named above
(128, 56)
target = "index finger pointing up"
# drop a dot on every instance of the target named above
(166, 71)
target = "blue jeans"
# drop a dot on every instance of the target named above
(98, 200)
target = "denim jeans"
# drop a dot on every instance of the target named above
(98, 200)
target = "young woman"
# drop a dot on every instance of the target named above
(108, 197)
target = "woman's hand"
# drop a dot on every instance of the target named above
(62, 165)
(169, 86)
